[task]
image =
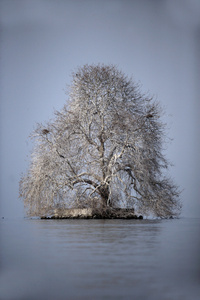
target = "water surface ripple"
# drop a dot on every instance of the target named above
(100, 259)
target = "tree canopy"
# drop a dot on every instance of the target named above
(103, 149)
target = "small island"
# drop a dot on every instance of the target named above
(89, 213)
(102, 154)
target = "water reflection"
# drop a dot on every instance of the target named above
(98, 259)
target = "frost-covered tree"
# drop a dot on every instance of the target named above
(103, 149)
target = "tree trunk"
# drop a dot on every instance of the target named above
(104, 192)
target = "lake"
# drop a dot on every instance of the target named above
(100, 259)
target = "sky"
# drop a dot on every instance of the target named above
(157, 42)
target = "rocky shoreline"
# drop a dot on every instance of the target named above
(117, 213)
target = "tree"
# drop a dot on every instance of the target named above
(103, 149)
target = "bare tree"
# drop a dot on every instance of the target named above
(104, 149)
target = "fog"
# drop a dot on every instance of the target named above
(42, 42)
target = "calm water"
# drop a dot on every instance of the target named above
(100, 259)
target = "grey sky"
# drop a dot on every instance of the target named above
(43, 41)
